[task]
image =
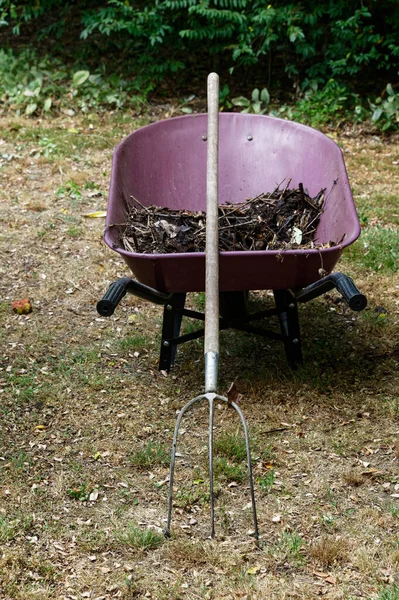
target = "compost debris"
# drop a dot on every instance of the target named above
(279, 220)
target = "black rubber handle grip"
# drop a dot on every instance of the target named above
(346, 287)
(107, 305)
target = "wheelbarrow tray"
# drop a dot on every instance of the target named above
(164, 164)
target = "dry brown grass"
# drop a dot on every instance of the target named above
(329, 551)
(353, 477)
(81, 400)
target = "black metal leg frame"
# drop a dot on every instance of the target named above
(285, 309)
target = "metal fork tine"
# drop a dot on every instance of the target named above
(251, 481)
(173, 460)
(210, 449)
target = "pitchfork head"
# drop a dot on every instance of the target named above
(210, 397)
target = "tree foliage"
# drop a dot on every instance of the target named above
(347, 40)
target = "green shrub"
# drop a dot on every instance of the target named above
(27, 83)
(386, 110)
(31, 85)
(321, 105)
(318, 42)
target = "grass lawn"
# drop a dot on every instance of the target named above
(87, 419)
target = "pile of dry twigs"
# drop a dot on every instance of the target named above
(282, 219)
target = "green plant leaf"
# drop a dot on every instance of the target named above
(265, 96)
(80, 77)
(47, 104)
(187, 110)
(376, 114)
(30, 109)
(240, 101)
(390, 90)
(255, 95)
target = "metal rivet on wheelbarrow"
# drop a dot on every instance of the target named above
(211, 344)
(204, 138)
(250, 138)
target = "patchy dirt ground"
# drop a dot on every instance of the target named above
(87, 419)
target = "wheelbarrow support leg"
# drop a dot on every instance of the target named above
(172, 318)
(211, 399)
(287, 312)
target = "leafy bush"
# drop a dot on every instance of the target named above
(31, 85)
(320, 106)
(334, 53)
(386, 111)
(328, 40)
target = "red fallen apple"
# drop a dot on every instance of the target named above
(22, 307)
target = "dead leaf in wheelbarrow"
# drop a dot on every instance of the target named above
(296, 236)
(96, 215)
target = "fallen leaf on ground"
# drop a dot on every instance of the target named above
(93, 496)
(96, 215)
(22, 307)
(253, 570)
(276, 518)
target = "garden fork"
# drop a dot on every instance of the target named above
(211, 344)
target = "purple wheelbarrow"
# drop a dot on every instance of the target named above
(164, 164)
